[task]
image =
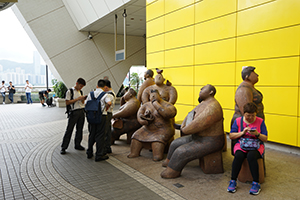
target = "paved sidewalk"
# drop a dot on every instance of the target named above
(31, 166)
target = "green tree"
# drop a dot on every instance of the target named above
(60, 88)
(135, 80)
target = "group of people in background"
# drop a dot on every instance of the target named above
(99, 133)
(11, 90)
(28, 87)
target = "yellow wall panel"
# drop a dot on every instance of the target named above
(149, 1)
(216, 29)
(185, 74)
(181, 37)
(182, 111)
(282, 129)
(185, 95)
(155, 9)
(243, 4)
(205, 10)
(221, 51)
(216, 74)
(282, 42)
(155, 27)
(155, 43)
(227, 119)
(197, 89)
(156, 60)
(171, 5)
(180, 18)
(298, 136)
(225, 96)
(273, 72)
(179, 57)
(269, 16)
(280, 100)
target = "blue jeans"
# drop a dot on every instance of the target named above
(28, 96)
(11, 97)
(3, 95)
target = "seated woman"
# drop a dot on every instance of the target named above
(248, 126)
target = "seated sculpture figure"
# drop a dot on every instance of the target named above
(148, 77)
(204, 134)
(167, 93)
(156, 116)
(125, 119)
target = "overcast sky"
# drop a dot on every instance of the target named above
(15, 45)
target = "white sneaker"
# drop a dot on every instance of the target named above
(3, 102)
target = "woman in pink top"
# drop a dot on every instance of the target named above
(248, 126)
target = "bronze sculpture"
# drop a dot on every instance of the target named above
(148, 77)
(167, 92)
(125, 119)
(204, 130)
(156, 116)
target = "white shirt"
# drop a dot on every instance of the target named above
(112, 100)
(3, 88)
(28, 90)
(103, 100)
(76, 94)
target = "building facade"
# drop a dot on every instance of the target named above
(195, 42)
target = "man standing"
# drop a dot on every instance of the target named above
(11, 90)
(75, 99)
(111, 94)
(3, 90)
(28, 88)
(97, 131)
(42, 95)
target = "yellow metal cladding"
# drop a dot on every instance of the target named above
(199, 42)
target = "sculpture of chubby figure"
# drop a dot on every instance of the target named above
(156, 116)
(204, 134)
(148, 77)
(167, 93)
(125, 119)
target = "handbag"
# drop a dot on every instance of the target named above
(249, 143)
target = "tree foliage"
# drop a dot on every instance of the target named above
(60, 88)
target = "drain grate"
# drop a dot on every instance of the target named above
(178, 185)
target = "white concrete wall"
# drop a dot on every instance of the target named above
(86, 12)
(68, 51)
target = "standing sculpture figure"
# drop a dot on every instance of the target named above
(125, 119)
(148, 77)
(246, 93)
(205, 134)
(156, 116)
(167, 93)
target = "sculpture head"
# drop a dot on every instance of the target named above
(206, 92)
(148, 74)
(154, 95)
(129, 94)
(159, 79)
(248, 74)
(250, 110)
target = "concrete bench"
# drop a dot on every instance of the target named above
(17, 97)
(245, 174)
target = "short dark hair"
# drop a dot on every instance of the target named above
(107, 83)
(247, 71)
(250, 108)
(81, 81)
(132, 91)
(150, 72)
(212, 88)
(49, 90)
(3, 81)
(101, 83)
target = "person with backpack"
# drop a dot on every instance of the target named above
(76, 115)
(42, 95)
(96, 103)
(112, 96)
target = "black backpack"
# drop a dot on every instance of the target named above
(68, 107)
(93, 109)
